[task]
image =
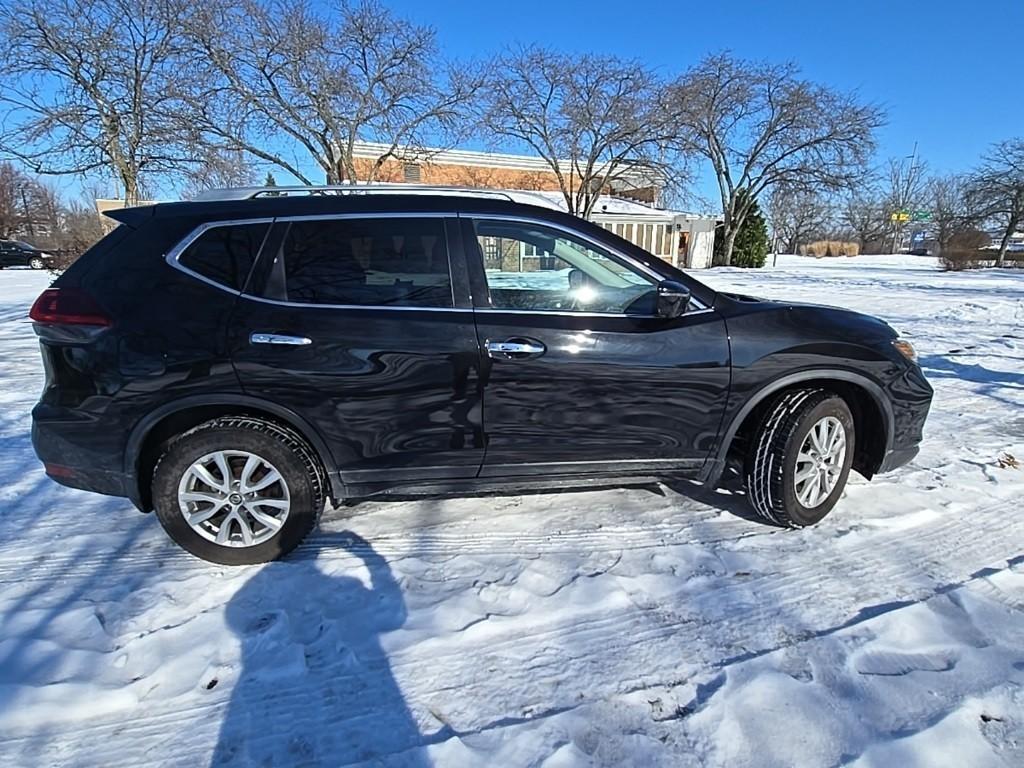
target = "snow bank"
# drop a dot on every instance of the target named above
(624, 626)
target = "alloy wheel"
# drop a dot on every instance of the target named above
(819, 463)
(234, 498)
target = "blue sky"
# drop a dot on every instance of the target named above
(946, 71)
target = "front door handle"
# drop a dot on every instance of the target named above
(515, 349)
(277, 338)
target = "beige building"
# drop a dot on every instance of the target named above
(628, 208)
(685, 240)
(489, 170)
(105, 204)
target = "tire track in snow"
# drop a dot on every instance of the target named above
(604, 650)
(409, 542)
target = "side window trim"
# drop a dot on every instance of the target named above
(459, 303)
(174, 254)
(477, 257)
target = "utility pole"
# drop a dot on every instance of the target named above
(27, 214)
(897, 238)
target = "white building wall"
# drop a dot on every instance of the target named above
(661, 236)
(702, 243)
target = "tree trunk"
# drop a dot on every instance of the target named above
(570, 200)
(1005, 242)
(131, 190)
(730, 232)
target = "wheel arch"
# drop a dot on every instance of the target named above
(173, 418)
(866, 399)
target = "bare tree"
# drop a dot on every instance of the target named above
(995, 191)
(906, 192)
(947, 200)
(80, 227)
(220, 169)
(11, 207)
(865, 217)
(266, 71)
(33, 209)
(761, 125)
(594, 119)
(796, 216)
(28, 208)
(89, 84)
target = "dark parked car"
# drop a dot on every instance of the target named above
(234, 363)
(15, 253)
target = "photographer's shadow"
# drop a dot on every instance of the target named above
(315, 687)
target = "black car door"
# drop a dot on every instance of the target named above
(356, 324)
(580, 375)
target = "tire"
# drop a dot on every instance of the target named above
(771, 466)
(36, 263)
(301, 489)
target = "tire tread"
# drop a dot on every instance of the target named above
(290, 439)
(765, 467)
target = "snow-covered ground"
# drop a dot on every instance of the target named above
(626, 626)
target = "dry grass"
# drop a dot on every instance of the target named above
(953, 260)
(1007, 461)
(830, 248)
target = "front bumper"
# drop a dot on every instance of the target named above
(911, 398)
(897, 457)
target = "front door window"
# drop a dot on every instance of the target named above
(538, 268)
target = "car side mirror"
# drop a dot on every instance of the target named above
(673, 299)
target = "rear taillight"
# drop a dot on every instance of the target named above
(68, 306)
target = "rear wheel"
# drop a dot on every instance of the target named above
(801, 457)
(238, 491)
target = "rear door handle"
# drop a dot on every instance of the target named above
(277, 338)
(515, 349)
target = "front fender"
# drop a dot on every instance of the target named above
(736, 416)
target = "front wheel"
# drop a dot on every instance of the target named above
(36, 263)
(238, 490)
(801, 457)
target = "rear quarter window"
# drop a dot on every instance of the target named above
(225, 254)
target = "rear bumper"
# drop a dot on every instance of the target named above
(77, 453)
(96, 481)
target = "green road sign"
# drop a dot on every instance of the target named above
(922, 215)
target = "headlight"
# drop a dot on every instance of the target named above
(906, 349)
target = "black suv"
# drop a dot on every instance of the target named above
(15, 253)
(234, 363)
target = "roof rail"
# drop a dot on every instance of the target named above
(248, 193)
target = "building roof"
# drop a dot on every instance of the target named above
(611, 206)
(641, 176)
(607, 206)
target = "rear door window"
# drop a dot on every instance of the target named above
(225, 254)
(386, 262)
